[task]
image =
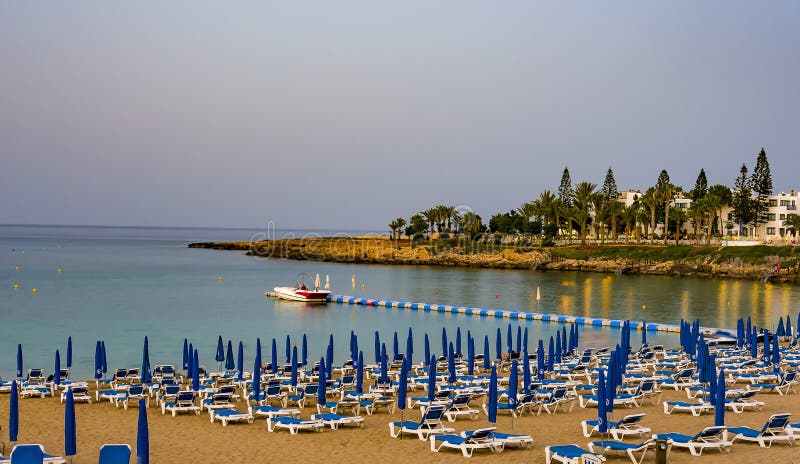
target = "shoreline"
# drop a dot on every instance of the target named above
(702, 262)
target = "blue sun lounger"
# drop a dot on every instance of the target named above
(334, 421)
(115, 454)
(506, 439)
(628, 425)
(31, 454)
(479, 439)
(571, 454)
(272, 411)
(708, 438)
(230, 415)
(630, 449)
(293, 424)
(774, 430)
(429, 424)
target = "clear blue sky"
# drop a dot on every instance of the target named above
(347, 114)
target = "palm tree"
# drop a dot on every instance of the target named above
(450, 214)
(792, 222)
(678, 215)
(629, 215)
(667, 193)
(614, 211)
(527, 210)
(471, 223)
(643, 217)
(583, 197)
(431, 215)
(558, 211)
(393, 227)
(571, 213)
(400, 223)
(650, 199)
(598, 206)
(698, 211)
(547, 204)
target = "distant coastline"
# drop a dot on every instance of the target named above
(763, 263)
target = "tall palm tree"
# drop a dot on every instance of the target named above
(698, 211)
(598, 206)
(583, 197)
(678, 215)
(431, 215)
(400, 223)
(650, 199)
(629, 216)
(393, 227)
(570, 213)
(527, 210)
(643, 217)
(450, 214)
(558, 212)
(792, 222)
(614, 211)
(667, 193)
(547, 203)
(471, 223)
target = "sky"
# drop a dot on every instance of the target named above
(345, 115)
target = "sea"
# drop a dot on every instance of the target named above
(120, 284)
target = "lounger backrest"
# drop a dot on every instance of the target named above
(227, 389)
(79, 390)
(482, 434)
(776, 424)
(631, 419)
(27, 454)
(136, 390)
(221, 398)
(558, 394)
(115, 454)
(790, 376)
(185, 397)
(710, 434)
(433, 414)
(120, 373)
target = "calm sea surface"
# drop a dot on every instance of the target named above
(120, 284)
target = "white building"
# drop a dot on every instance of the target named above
(780, 206)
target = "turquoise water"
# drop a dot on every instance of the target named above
(120, 284)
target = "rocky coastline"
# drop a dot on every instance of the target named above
(707, 264)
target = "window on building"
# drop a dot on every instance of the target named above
(782, 217)
(770, 231)
(784, 202)
(773, 203)
(770, 216)
(730, 216)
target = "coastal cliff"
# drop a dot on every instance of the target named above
(775, 264)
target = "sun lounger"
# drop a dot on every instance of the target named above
(134, 394)
(479, 439)
(681, 406)
(775, 429)
(682, 379)
(557, 399)
(459, 406)
(334, 421)
(373, 404)
(30, 390)
(784, 387)
(628, 425)
(630, 449)
(230, 415)
(708, 438)
(184, 402)
(272, 411)
(24, 454)
(115, 454)
(506, 439)
(744, 401)
(429, 424)
(571, 454)
(79, 393)
(293, 424)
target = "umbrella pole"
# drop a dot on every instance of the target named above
(402, 419)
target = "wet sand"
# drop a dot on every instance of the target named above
(187, 438)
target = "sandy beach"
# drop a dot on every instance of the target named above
(189, 437)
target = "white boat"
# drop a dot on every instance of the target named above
(300, 292)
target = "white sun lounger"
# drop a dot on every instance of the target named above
(775, 429)
(334, 421)
(628, 425)
(230, 415)
(506, 439)
(184, 402)
(630, 449)
(681, 406)
(571, 454)
(272, 411)
(479, 439)
(293, 424)
(708, 438)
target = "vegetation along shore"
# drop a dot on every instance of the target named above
(765, 263)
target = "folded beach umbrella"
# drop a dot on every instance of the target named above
(558, 348)
(322, 395)
(499, 344)
(767, 353)
(427, 349)
(644, 333)
(186, 354)
(789, 331)
(432, 379)
(378, 347)
(602, 419)
(486, 354)
(509, 339)
(70, 435)
(540, 360)
(513, 384)
(98, 361)
(145, 371)
(355, 348)
(402, 388)
(781, 330)
(563, 341)
(492, 400)
(13, 413)
(57, 369)
(712, 378)
(220, 355)
(230, 364)
(329, 358)
(240, 363)
(384, 367)
(749, 325)
(303, 352)
(451, 365)
(739, 332)
(577, 337)
(776, 355)
(256, 382)
(19, 360)
(457, 348)
(274, 356)
(470, 355)
(754, 344)
(294, 367)
(195, 371)
(360, 373)
(142, 436)
(519, 339)
(719, 405)
(409, 348)
(444, 341)
(526, 373)
(525, 339)
(550, 355)
(190, 364)
(611, 387)
(288, 349)
(69, 350)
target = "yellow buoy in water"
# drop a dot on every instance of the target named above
(363, 285)
(58, 270)
(16, 286)
(219, 278)
(16, 268)
(34, 290)
(644, 307)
